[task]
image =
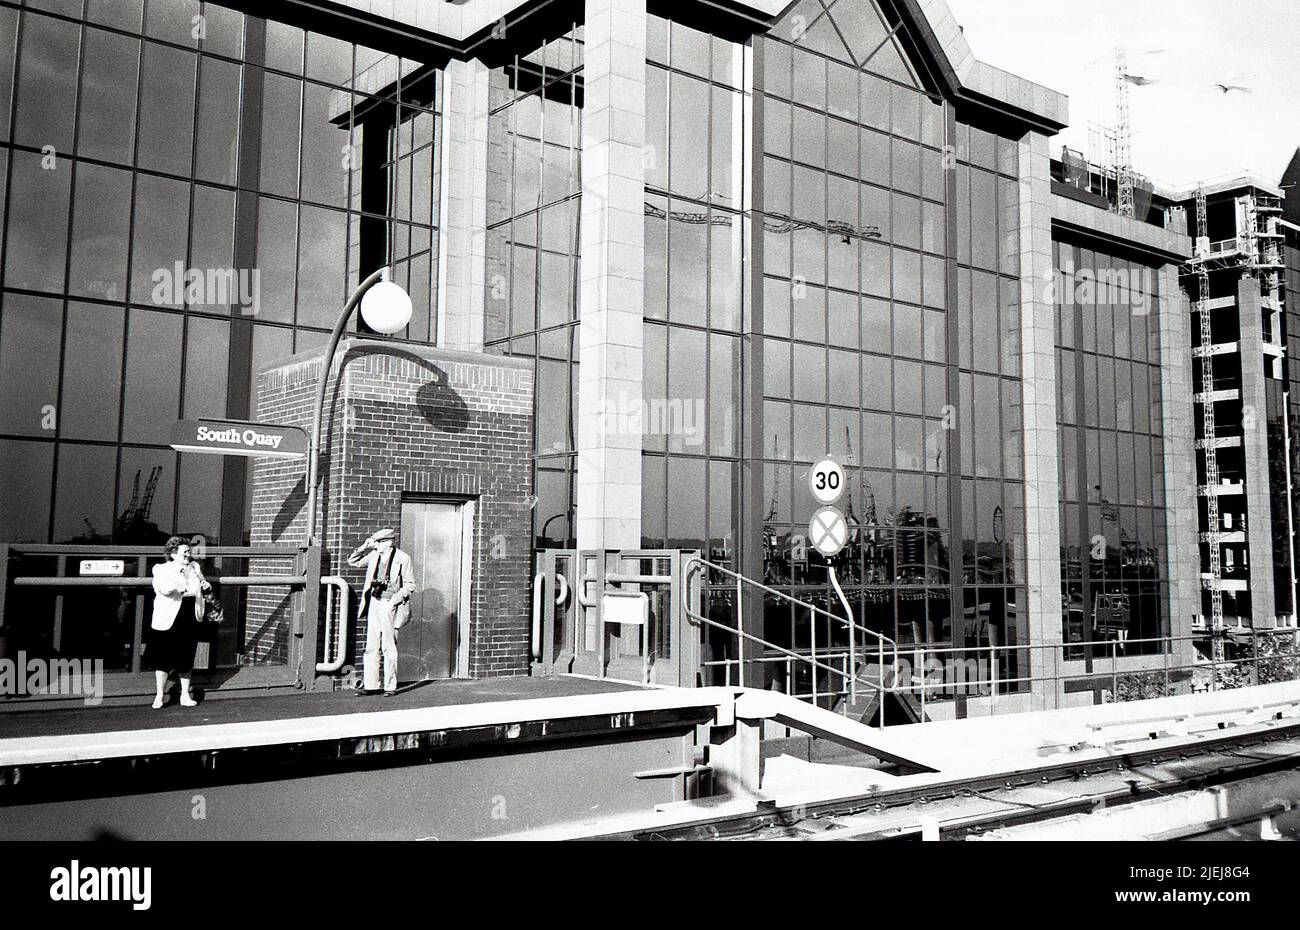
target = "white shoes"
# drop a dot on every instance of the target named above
(187, 700)
(157, 702)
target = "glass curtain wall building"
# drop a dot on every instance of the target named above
(1114, 563)
(189, 192)
(138, 144)
(822, 229)
(870, 353)
(816, 212)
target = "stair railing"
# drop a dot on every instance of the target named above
(695, 566)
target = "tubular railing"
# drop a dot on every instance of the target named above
(302, 576)
(849, 671)
(928, 674)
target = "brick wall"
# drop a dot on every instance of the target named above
(406, 420)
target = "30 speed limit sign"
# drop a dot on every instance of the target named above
(826, 481)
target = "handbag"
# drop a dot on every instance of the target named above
(212, 610)
(213, 614)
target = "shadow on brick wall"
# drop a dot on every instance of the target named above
(440, 405)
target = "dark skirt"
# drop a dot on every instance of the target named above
(172, 650)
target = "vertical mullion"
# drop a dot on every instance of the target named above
(67, 257)
(953, 323)
(189, 251)
(749, 518)
(130, 262)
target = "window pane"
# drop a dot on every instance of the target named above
(30, 329)
(218, 121)
(206, 360)
(212, 232)
(84, 493)
(161, 222)
(326, 145)
(322, 264)
(108, 86)
(277, 230)
(688, 159)
(47, 83)
(100, 232)
(281, 104)
(38, 223)
(687, 369)
(153, 376)
(92, 372)
(167, 109)
(28, 468)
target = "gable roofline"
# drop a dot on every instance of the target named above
(966, 78)
(437, 31)
(976, 81)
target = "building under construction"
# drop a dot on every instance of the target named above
(1242, 291)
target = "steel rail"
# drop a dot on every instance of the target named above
(886, 799)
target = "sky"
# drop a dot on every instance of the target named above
(1184, 129)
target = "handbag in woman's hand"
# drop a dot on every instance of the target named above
(212, 609)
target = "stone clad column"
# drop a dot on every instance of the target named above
(1038, 399)
(1178, 428)
(462, 236)
(611, 295)
(1254, 401)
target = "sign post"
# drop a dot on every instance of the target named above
(828, 533)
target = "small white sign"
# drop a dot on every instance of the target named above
(631, 608)
(828, 531)
(826, 481)
(103, 568)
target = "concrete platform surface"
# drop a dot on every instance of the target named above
(68, 719)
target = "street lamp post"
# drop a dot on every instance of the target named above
(386, 308)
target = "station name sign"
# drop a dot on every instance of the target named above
(235, 437)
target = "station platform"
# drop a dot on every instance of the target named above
(446, 760)
(39, 719)
(573, 757)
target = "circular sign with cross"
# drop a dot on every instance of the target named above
(826, 481)
(828, 531)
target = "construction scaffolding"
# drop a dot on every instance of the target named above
(1201, 266)
(1124, 178)
(1257, 251)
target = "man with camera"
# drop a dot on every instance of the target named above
(385, 603)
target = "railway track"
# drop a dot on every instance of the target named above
(973, 806)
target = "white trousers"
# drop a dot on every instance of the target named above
(380, 638)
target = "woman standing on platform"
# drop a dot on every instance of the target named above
(179, 587)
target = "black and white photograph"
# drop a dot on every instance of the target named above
(655, 421)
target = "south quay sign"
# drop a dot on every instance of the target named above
(236, 437)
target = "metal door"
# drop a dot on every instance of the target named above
(437, 535)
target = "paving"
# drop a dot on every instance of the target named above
(44, 720)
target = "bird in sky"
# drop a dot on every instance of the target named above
(1139, 80)
(1229, 88)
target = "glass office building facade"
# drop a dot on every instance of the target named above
(834, 230)
(885, 321)
(139, 141)
(1114, 566)
(890, 336)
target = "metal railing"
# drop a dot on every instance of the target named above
(302, 577)
(848, 672)
(929, 674)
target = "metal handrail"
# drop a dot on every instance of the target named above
(920, 685)
(122, 581)
(332, 583)
(851, 677)
(880, 637)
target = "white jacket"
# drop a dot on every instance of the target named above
(171, 585)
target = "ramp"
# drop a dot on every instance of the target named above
(824, 724)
